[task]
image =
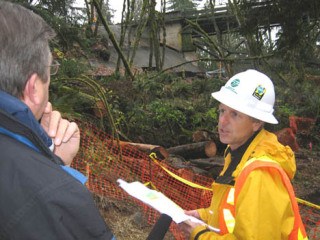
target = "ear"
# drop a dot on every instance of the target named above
(31, 92)
(257, 124)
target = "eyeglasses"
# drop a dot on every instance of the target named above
(54, 67)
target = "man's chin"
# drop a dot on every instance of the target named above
(224, 140)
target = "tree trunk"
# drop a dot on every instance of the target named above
(164, 33)
(142, 24)
(195, 150)
(124, 24)
(113, 40)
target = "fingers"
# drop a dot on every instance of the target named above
(56, 122)
(65, 131)
(61, 130)
(187, 227)
(193, 213)
(48, 108)
(45, 119)
(67, 141)
(65, 134)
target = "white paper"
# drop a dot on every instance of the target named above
(159, 201)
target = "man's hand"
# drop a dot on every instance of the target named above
(65, 134)
(188, 226)
(193, 213)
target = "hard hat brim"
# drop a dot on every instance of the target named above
(226, 98)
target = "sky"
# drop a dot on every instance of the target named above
(115, 5)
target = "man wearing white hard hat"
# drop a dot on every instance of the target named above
(253, 197)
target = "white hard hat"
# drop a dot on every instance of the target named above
(250, 92)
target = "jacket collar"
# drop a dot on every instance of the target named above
(21, 112)
(235, 158)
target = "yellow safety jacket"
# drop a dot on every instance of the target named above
(261, 204)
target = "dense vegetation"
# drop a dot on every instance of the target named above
(162, 107)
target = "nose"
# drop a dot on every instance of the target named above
(223, 119)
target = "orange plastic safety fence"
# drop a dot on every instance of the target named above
(104, 160)
(311, 219)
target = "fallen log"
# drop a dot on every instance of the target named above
(149, 148)
(161, 152)
(195, 150)
(202, 135)
(208, 162)
(212, 166)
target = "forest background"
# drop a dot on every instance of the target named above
(165, 106)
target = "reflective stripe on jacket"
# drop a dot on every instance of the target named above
(227, 219)
(263, 207)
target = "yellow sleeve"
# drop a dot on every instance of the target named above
(204, 234)
(263, 210)
(203, 212)
(201, 232)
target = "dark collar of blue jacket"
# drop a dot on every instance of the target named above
(23, 114)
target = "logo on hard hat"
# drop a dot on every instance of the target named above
(259, 92)
(235, 83)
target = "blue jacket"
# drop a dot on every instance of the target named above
(39, 199)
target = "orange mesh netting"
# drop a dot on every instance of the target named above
(104, 160)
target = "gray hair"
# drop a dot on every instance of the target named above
(24, 47)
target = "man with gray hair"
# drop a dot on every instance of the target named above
(42, 197)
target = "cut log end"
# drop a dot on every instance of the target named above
(210, 149)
